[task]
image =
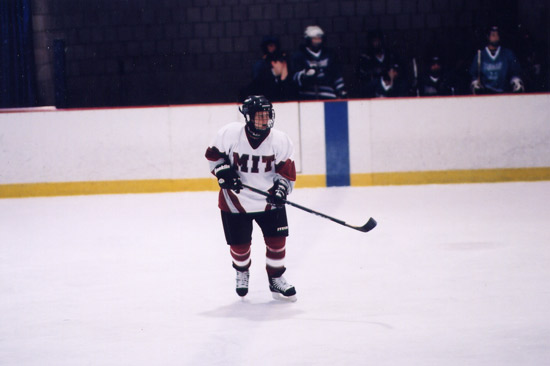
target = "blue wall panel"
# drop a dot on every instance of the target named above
(337, 144)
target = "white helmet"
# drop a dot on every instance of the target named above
(313, 31)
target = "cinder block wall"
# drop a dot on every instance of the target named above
(143, 52)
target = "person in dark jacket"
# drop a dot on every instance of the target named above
(274, 80)
(270, 44)
(317, 71)
(389, 84)
(436, 81)
(375, 60)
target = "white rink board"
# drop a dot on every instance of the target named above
(118, 144)
(449, 133)
(312, 142)
(391, 135)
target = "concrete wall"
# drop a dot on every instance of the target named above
(390, 136)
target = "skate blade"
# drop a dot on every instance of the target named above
(281, 297)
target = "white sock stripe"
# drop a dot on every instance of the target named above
(275, 262)
(276, 250)
(241, 263)
(240, 254)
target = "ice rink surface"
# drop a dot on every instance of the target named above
(453, 275)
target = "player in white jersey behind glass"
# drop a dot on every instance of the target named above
(259, 156)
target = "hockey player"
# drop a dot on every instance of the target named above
(388, 85)
(274, 81)
(436, 81)
(495, 69)
(260, 156)
(317, 71)
(269, 45)
(373, 63)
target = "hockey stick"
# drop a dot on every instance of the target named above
(478, 68)
(371, 223)
(415, 74)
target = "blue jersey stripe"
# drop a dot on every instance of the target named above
(337, 144)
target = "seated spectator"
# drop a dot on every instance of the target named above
(495, 69)
(532, 60)
(316, 69)
(269, 45)
(273, 80)
(435, 80)
(373, 62)
(389, 84)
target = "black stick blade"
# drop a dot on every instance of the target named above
(371, 224)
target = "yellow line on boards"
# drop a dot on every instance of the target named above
(451, 176)
(311, 181)
(127, 186)
(106, 187)
(303, 181)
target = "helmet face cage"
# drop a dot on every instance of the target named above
(314, 31)
(257, 103)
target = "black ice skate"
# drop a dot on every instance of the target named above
(282, 290)
(242, 282)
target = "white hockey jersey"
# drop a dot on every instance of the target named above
(258, 167)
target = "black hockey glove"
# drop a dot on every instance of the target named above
(278, 193)
(228, 177)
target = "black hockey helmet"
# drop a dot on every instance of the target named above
(491, 29)
(257, 103)
(375, 34)
(375, 40)
(267, 40)
(276, 56)
(495, 42)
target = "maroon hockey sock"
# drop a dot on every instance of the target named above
(275, 256)
(241, 256)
